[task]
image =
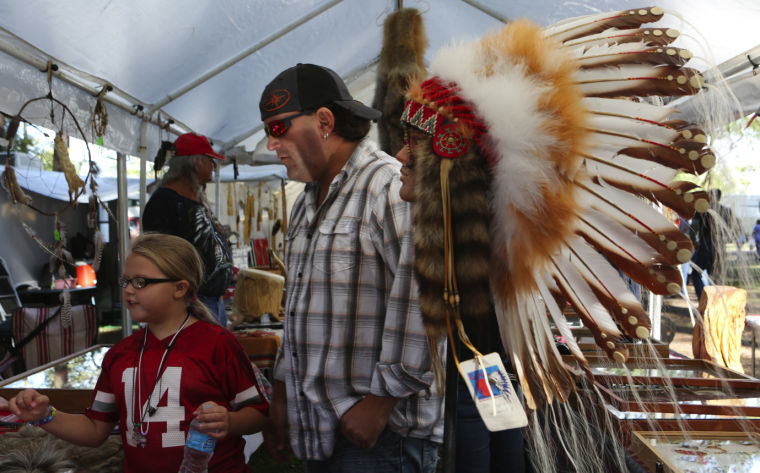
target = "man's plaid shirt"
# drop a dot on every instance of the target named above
(353, 324)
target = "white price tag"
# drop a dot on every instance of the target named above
(493, 394)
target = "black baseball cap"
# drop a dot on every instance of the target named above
(308, 87)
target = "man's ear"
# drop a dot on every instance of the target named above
(180, 289)
(326, 119)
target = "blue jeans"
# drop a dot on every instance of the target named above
(216, 306)
(479, 450)
(391, 454)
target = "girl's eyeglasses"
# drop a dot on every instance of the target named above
(277, 128)
(139, 283)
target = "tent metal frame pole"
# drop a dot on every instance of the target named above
(217, 190)
(123, 216)
(242, 55)
(143, 149)
(488, 11)
(125, 101)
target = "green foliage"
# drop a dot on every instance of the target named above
(24, 143)
(47, 159)
(730, 175)
(739, 127)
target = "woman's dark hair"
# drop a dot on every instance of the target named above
(347, 125)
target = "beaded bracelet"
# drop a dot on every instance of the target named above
(51, 413)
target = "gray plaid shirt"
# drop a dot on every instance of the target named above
(353, 324)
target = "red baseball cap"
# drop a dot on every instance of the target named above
(190, 144)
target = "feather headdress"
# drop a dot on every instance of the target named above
(548, 166)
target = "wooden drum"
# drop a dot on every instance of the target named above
(257, 293)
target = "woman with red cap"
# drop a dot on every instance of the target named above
(179, 207)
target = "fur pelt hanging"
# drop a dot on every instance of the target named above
(401, 60)
(10, 183)
(31, 449)
(62, 162)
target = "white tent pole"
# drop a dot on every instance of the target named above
(217, 191)
(122, 215)
(488, 11)
(143, 149)
(242, 55)
(41, 64)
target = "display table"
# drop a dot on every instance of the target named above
(260, 345)
(697, 452)
(753, 322)
(68, 381)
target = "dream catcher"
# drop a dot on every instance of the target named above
(59, 115)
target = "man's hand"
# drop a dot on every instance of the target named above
(364, 422)
(275, 432)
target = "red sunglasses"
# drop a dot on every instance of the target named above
(277, 128)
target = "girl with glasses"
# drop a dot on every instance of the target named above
(153, 383)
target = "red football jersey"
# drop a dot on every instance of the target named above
(206, 363)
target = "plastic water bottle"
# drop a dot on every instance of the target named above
(199, 447)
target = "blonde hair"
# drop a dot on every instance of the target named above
(177, 259)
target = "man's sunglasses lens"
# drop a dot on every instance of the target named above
(277, 128)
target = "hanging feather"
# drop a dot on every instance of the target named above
(92, 212)
(162, 155)
(61, 151)
(249, 212)
(556, 170)
(65, 307)
(99, 246)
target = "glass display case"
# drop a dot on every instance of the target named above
(68, 381)
(697, 452)
(664, 371)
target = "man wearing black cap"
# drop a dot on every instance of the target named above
(179, 207)
(353, 375)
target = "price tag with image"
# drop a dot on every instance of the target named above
(493, 393)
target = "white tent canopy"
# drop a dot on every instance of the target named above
(203, 64)
(254, 173)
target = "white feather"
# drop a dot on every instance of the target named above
(626, 209)
(598, 272)
(559, 319)
(614, 237)
(624, 169)
(627, 108)
(617, 36)
(635, 130)
(578, 291)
